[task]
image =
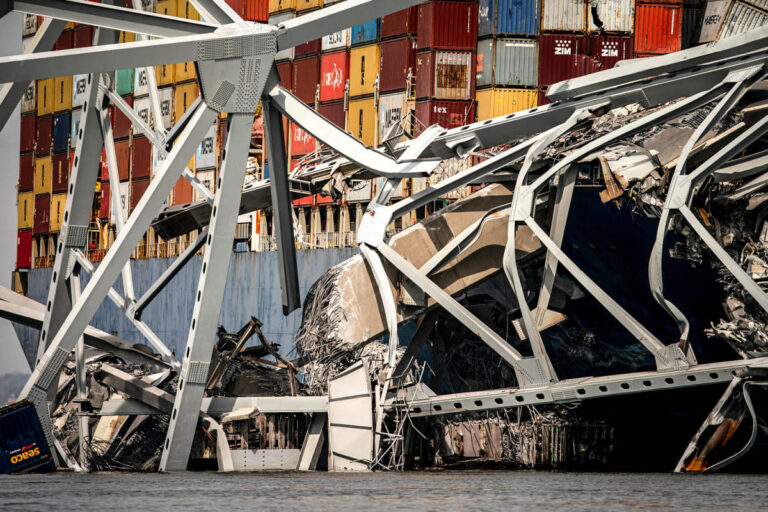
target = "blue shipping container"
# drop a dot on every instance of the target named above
(366, 32)
(485, 11)
(23, 447)
(62, 123)
(517, 17)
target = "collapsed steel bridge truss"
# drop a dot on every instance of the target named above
(235, 64)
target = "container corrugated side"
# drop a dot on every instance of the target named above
(43, 175)
(335, 41)
(365, 33)
(361, 120)
(42, 214)
(712, 19)
(742, 18)
(60, 172)
(334, 112)
(486, 20)
(28, 132)
(62, 124)
(398, 56)
(561, 57)
(26, 171)
(26, 210)
(141, 157)
(364, 64)
(500, 102)
(658, 28)
(334, 71)
(484, 63)
(399, 23)
(691, 27)
(518, 17)
(604, 51)
(58, 203)
(24, 249)
(448, 114)
(281, 5)
(563, 15)
(762, 4)
(445, 75)
(447, 25)
(23, 447)
(615, 15)
(516, 62)
(391, 112)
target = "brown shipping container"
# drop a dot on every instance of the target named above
(182, 192)
(60, 163)
(142, 158)
(306, 77)
(104, 201)
(138, 187)
(561, 57)
(65, 40)
(605, 51)
(445, 75)
(83, 37)
(121, 125)
(447, 25)
(448, 114)
(658, 28)
(123, 153)
(27, 171)
(44, 137)
(28, 135)
(251, 10)
(285, 70)
(334, 112)
(24, 249)
(397, 57)
(399, 23)
(308, 48)
(42, 214)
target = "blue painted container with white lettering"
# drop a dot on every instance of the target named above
(518, 17)
(485, 17)
(23, 448)
(365, 33)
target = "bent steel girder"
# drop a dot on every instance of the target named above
(741, 81)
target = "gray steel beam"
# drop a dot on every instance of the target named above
(43, 41)
(116, 18)
(217, 10)
(282, 207)
(210, 294)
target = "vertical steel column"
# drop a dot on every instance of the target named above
(281, 207)
(210, 294)
(81, 380)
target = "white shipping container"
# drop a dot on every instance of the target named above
(563, 15)
(712, 21)
(79, 84)
(742, 18)
(29, 25)
(418, 185)
(142, 108)
(140, 82)
(516, 62)
(359, 191)
(76, 114)
(276, 19)
(166, 106)
(453, 75)
(28, 103)
(391, 112)
(762, 4)
(125, 202)
(335, 41)
(208, 178)
(616, 15)
(206, 151)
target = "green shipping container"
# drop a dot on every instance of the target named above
(124, 81)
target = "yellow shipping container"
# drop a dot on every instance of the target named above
(305, 5)
(26, 210)
(58, 202)
(126, 37)
(281, 5)
(499, 102)
(185, 70)
(361, 120)
(167, 7)
(62, 99)
(43, 175)
(363, 70)
(184, 96)
(165, 73)
(45, 96)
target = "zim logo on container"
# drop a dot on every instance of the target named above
(25, 455)
(563, 47)
(610, 49)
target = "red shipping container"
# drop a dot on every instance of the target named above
(334, 70)
(83, 36)
(60, 172)
(142, 158)
(182, 192)
(42, 214)
(543, 98)
(301, 141)
(447, 25)
(399, 23)
(121, 125)
(138, 187)
(104, 201)
(65, 41)
(309, 48)
(561, 57)
(658, 28)
(397, 57)
(306, 77)
(334, 112)
(28, 135)
(448, 114)
(123, 154)
(24, 249)
(285, 70)
(26, 171)
(104, 168)
(251, 10)
(605, 51)
(453, 79)
(44, 135)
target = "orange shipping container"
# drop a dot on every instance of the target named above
(658, 28)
